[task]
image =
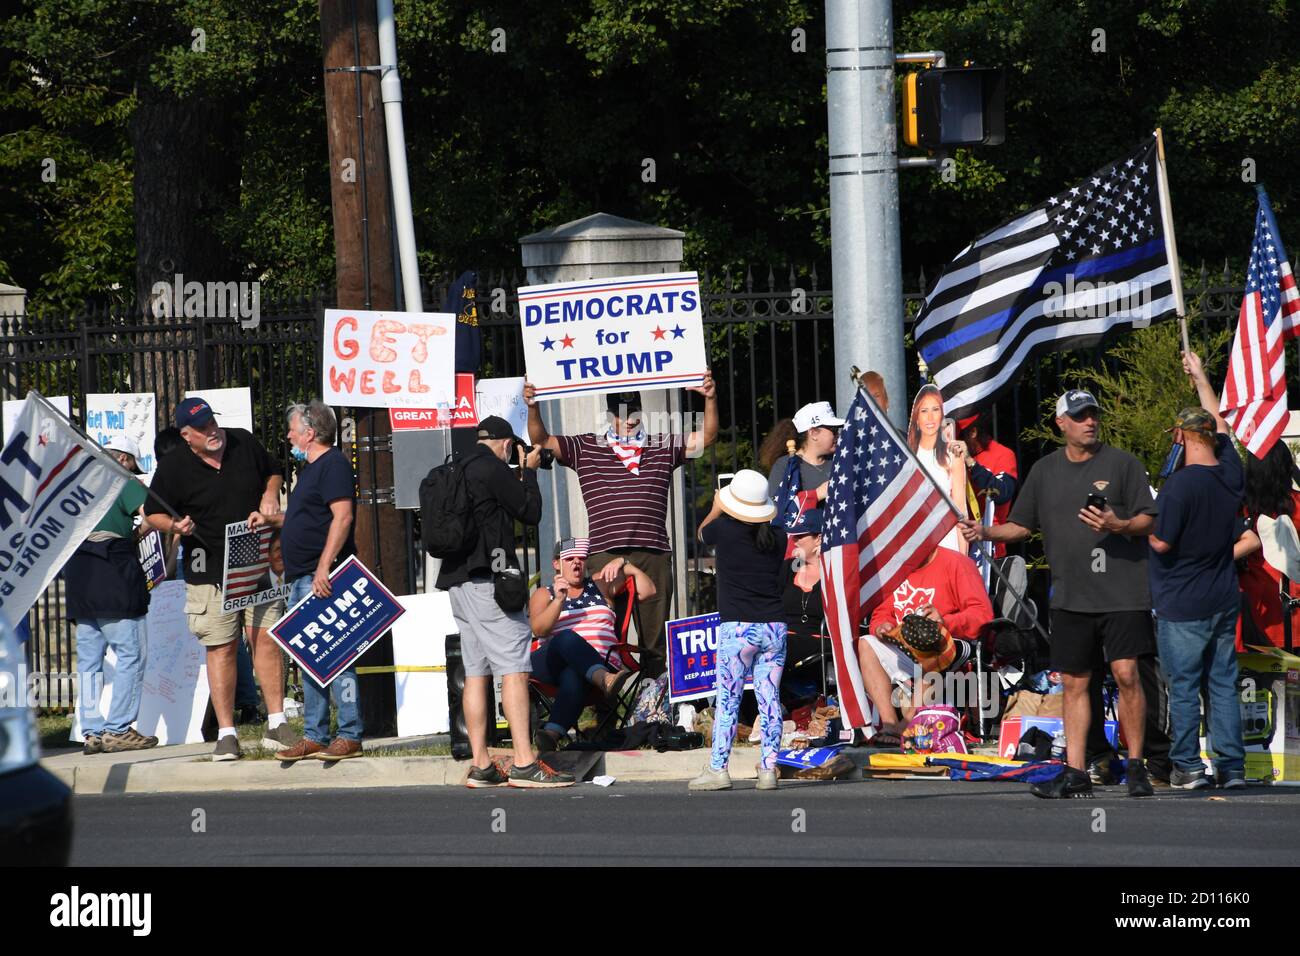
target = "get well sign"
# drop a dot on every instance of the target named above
(387, 359)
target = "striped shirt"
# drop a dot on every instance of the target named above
(590, 617)
(624, 510)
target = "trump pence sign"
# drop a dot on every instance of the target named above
(633, 333)
(325, 635)
(387, 359)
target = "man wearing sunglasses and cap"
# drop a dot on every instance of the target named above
(1094, 507)
(222, 476)
(625, 475)
(108, 597)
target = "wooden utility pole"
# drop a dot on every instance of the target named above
(366, 278)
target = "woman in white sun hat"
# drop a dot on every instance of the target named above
(751, 638)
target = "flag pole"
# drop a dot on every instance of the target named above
(1171, 241)
(93, 448)
(947, 497)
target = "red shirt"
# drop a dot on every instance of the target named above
(952, 584)
(998, 458)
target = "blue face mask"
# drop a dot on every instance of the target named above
(298, 453)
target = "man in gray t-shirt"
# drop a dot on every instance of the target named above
(1095, 510)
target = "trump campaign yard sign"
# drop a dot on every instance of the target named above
(325, 635)
(693, 657)
(387, 359)
(633, 333)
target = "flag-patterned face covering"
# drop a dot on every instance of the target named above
(628, 448)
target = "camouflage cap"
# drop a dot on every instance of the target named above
(1195, 420)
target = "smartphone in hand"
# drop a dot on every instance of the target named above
(1097, 501)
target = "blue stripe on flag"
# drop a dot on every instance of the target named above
(975, 330)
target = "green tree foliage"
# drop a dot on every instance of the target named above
(1141, 387)
(527, 113)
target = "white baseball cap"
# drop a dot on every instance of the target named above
(1075, 401)
(816, 414)
(125, 443)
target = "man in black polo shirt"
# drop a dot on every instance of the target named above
(225, 476)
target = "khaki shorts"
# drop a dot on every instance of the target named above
(215, 629)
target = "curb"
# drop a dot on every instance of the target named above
(196, 775)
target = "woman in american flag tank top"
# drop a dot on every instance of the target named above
(574, 626)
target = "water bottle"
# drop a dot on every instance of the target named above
(1058, 745)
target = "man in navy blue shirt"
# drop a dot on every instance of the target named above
(1194, 590)
(316, 536)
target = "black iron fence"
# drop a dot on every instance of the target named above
(770, 345)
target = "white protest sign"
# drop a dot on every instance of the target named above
(130, 414)
(386, 359)
(174, 690)
(420, 641)
(10, 408)
(632, 333)
(248, 578)
(54, 489)
(232, 406)
(503, 397)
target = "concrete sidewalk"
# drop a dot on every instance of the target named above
(187, 768)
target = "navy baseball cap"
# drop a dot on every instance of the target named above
(194, 412)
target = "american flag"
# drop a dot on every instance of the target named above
(1031, 285)
(884, 516)
(591, 618)
(247, 560)
(792, 502)
(1254, 395)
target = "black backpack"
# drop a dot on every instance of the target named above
(447, 524)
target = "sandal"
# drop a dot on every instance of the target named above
(620, 680)
(885, 738)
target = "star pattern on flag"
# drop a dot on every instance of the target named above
(1109, 212)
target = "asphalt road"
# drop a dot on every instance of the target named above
(879, 822)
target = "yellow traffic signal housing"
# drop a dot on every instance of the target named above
(956, 106)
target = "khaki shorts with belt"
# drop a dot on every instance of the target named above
(215, 628)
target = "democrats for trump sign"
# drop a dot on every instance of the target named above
(634, 333)
(325, 635)
(55, 485)
(693, 657)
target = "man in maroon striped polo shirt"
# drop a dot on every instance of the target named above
(625, 475)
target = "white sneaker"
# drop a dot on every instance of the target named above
(766, 778)
(711, 779)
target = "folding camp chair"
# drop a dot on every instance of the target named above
(613, 715)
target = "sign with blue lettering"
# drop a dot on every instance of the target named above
(632, 333)
(55, 485)
(325, 635)
(692, 657)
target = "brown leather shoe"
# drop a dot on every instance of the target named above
(339, 749)
(303, 748)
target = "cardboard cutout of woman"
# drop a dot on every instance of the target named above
(933, 438)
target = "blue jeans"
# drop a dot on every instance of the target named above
(315, 699)
(1192, 653)
(570, 664)
(126, 636)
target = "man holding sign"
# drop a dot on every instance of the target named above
(317, 537)
(224, 476)
(625, 475)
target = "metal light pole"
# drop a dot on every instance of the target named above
(866, 262)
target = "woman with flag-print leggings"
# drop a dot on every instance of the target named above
(744, 648)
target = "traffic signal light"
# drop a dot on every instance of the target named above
(957, 106)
